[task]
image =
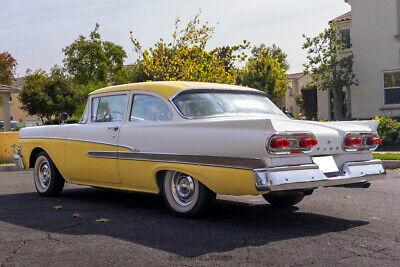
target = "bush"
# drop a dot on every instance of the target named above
(389, 131)
(52, 122)
(308, 101)
(72, 120)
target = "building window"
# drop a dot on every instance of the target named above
(346, 37)
(391, 87)
(10, 100)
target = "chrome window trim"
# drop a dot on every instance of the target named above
(126, 93)
(132, 101)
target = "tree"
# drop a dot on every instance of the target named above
(185, 58)
(7, 68)
(308, 101)
(47, 95)
(330, 65)
(93, 60)
(264, 72)
(276, 53)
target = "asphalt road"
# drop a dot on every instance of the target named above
(334, 226)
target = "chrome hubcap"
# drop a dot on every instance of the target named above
(183, 188)
(44, 174)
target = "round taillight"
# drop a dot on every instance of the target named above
(279, 143)
(374, 141)
(308, 142)
(352, 141)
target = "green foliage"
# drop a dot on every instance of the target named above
(329, 65)
(54, 121)
(389, 131)
(7, 68)
(185, 58)
(264, 72)
(136, 73)
(308, 101)
(276, 53)
(80, 108)
(93, 60)
(48, 95)
(386, 156)
(72, 121)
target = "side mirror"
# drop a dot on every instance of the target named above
(63, 117)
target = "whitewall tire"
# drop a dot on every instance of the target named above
(185, 195)
(48, 180)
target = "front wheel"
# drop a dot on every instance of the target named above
(48, 180)
(186, 196)
(284, 199)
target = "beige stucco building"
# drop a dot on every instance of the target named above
(374, 27)
(10, 98)
(296, 82)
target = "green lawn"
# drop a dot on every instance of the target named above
(386, 156)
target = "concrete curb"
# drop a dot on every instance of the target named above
(391, 164)
(8, 168)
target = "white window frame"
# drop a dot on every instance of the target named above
(384, 88)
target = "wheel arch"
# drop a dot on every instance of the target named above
(160, 172)
(220, 180)
(33, 155)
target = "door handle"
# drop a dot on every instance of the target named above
(115, 128)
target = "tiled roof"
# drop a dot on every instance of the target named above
(295, 76)
(344, 17)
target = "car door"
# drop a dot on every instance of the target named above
(91, 146)
(149, 115)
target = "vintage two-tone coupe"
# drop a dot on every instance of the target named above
(190, 141)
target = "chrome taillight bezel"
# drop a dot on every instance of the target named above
(294, 148)
(363, 146)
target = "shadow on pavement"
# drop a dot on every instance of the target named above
(144, 219)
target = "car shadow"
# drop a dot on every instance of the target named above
(144, 219)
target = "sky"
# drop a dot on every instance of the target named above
(36, 31)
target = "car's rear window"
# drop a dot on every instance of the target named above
(210, 104)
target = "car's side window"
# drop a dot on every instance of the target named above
(149, 108)
(108, 108)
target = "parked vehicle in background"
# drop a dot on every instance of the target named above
(190, 141)
(15, 125)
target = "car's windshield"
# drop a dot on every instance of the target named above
(209, 104)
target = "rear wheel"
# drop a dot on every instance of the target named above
(185, 195)
(48, 180)
(284, 199)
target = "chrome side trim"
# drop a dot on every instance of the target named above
(370, 162)
(82, 140)
(226, 162)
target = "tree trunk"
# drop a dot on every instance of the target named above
(348, 104)
(338, 104)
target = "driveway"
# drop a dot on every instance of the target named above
(334, 226)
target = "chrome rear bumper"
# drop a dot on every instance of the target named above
(310, 176)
